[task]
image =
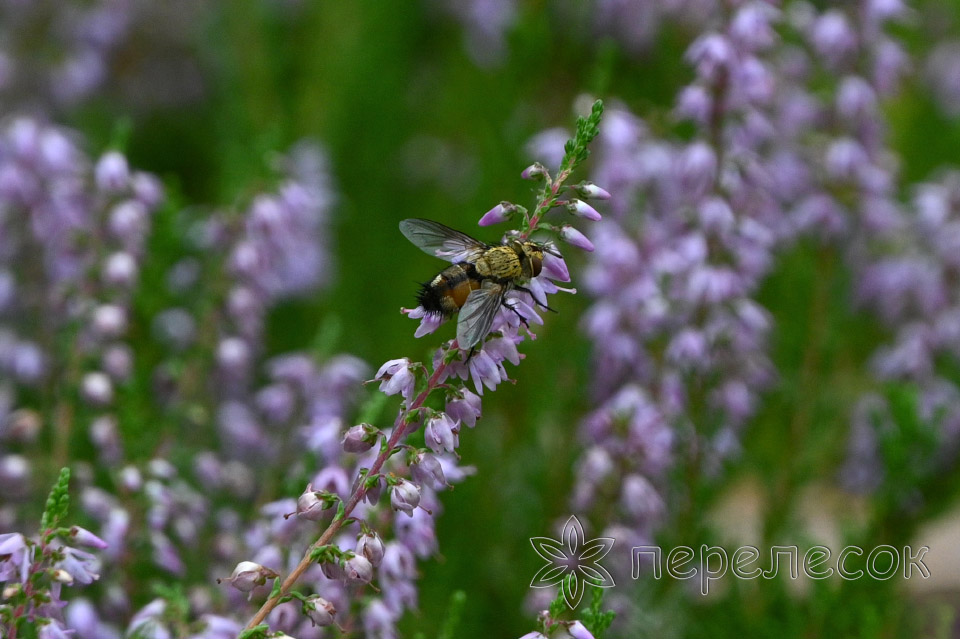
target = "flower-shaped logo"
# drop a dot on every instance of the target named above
(575, 557)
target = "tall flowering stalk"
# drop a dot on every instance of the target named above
(275, 249)
(681, 344)
(415, 383)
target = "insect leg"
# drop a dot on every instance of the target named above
(534, 298)
(523, 319)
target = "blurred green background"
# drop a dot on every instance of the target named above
(415, 128)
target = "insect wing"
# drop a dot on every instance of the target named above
(441, 241)
(476, 316)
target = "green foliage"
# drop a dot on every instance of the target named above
(58, 502)
(257, 632)
(558, 607)
(587, 128)
(594, 617)
(415, 129)
(454, 612)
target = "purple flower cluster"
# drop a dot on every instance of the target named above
(85, 52)
(680, 343)
(72, 242)
(637, 25)
(72, 239)
(33, 573)
(485, 23)
(910, 285)
(83, 37)
(33, 570)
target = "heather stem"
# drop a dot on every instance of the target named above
(355, 498)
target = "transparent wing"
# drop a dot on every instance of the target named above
(476, 316)
(441, 241)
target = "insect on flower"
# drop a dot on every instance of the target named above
(476, 284)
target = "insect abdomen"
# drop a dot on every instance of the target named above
(447, 292)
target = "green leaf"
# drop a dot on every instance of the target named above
(58, 502)
(257, 632)
(454, 612)
(341, 511)
(594, 618)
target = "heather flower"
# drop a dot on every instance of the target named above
(320, 611)
(405, 497)
(442, 434)
(312, 504)
(359, 438)
(371, 546)
(427, 470)
(248, 575)
(396, 378)
(358, 569)
(464, 407)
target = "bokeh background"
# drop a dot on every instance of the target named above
(431, 109)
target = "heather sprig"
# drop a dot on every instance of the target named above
(33, 570)
(430, 468)
(593, 621)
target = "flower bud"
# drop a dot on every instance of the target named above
(312, 503)
(372, 496)
(584, 210)
(233, 354)
(128, 221)
(84, 537)
(109, 320)
(574, 237)
(130, 478)
(23, 425)
(371, 546)
(500, 213)
(358, 570)
(535, 171)
(147, 189)
(96, 388)
(359, 438)
(62, 576)
(117, 361)
(112, 172)
(578, 631)
(405, 496)
(120, 269)
(332, 570)
(591, 190)
(320, 611)
(248, 575)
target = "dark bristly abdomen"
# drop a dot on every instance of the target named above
(447, 292)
